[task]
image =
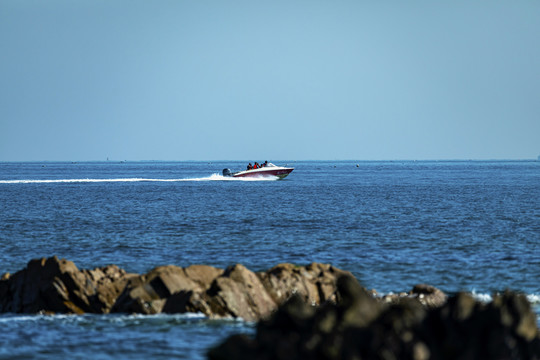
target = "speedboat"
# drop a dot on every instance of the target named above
(270, 170)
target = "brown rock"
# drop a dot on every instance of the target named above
(192, 300)
(148, 294)
(429, 296)
(314, 283)
(109, 282)
(241, 293)
(203, 274)
(53, 285)
(238, 293)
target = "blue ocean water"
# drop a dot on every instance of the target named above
(457, 225)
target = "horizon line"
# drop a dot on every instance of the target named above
(289, 160)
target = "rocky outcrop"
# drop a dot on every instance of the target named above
(58, 286)
(360, 327)
(53, 285)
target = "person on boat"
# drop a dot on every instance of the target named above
(249, 167)
(256, 166)
(265, 163)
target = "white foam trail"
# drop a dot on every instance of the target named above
(213, 177)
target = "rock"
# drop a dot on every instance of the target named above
(515, 313)
(355, 304)
(503, 329)
(315, 283)
(54, 285)
(236, 347)
(148, 294)
(359, 327)
(202, 274)
(428, 295)
(186, 302)
(238, 293)
(109, 282)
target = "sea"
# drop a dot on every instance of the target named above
(458, 225)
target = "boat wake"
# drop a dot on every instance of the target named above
(213, 177)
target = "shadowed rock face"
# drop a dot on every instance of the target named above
(360, 327)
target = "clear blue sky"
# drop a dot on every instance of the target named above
(211, 80)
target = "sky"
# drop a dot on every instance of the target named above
(296, 80)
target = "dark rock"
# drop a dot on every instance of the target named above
(503, 329)
(236, 347)
(359, 327)
(355, 304)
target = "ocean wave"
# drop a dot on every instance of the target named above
(213, 177)
(113, 318)
(485, 298)
(534, 299)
